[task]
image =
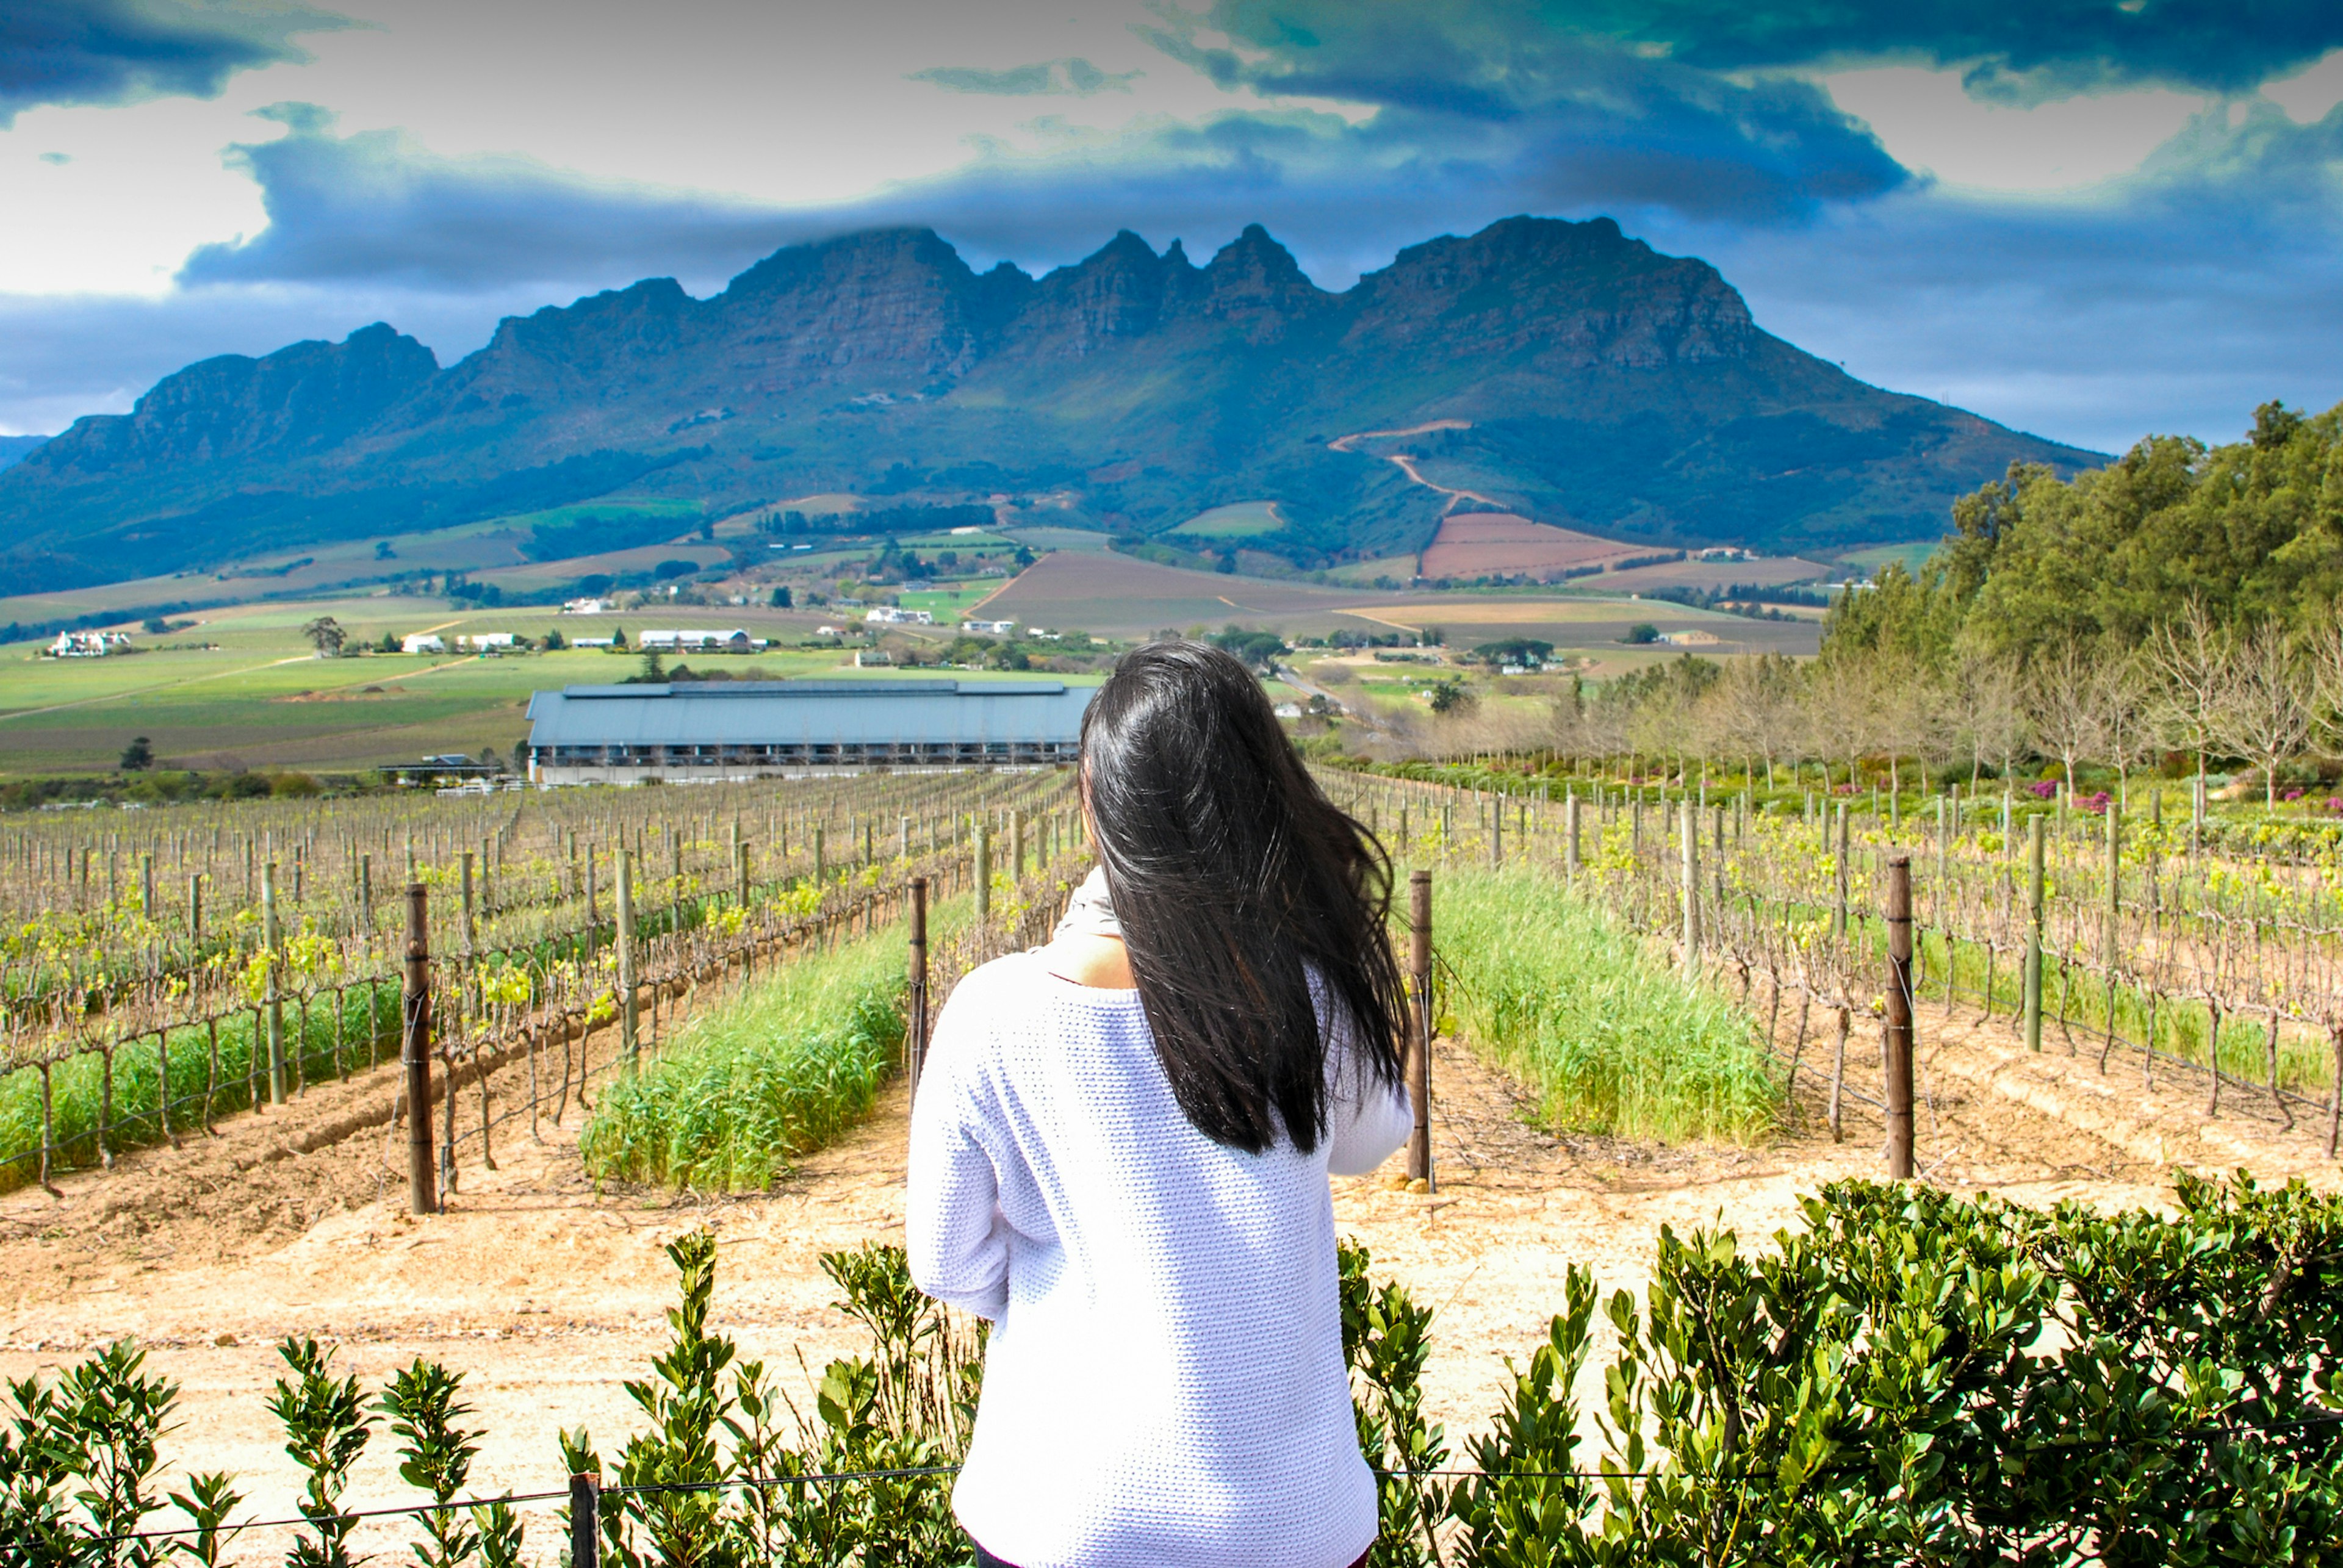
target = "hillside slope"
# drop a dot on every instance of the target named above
(1583, 379)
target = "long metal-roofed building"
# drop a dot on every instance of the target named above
(763, 729)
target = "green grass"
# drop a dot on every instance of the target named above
(1913, 555)
(1572, 1003)
(766, 1078)
(1245, 519)
(313, 1054)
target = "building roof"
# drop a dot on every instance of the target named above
(778, 712)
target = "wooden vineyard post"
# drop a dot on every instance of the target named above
(629, 1041)
(1570, 852)
(740, 868)
(820, 868)
(916, 1039)
(1688, 832)
(984, 871)
(1839, 915)
(585, 1520)
(366, 898)
(2334, 1095)
(147, 886)
(415, 1054)
(2032, 979)
(1419, 1054)
(273, 1002)
(195, 907)
(1900, 1017)
(1497, 830)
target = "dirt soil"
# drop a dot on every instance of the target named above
(546, 1291)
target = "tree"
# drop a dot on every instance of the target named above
(1983, 701)
(2187, 659)
(139, 755)
(2267, 704)
(619, 636)
(653, 671)
(554, 641)
(326, 636)
(389, 643)
(782, 597)
(2060, 706)
(2127, 717)
(1452, 696)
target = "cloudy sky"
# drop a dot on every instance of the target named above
(2090, 218)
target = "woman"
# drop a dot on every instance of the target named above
(1121, 1148)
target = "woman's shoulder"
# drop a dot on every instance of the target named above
(995, 993)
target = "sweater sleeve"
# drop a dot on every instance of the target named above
(954, 1230)
(1366, 1120)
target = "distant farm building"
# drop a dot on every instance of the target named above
(423, 642)
(889, 615)
(87, 644)
(584, 606)
(487, 641)
(988, 627)
(734, 640)
(766, 729)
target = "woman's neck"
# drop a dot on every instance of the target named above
(1100, 962)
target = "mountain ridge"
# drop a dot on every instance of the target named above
(1598, 384)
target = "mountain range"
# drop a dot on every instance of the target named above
(1561, 370)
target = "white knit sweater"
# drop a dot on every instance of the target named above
(1164, 1384)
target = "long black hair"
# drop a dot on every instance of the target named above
(1234, 880)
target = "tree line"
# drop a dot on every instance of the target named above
(2181, 601)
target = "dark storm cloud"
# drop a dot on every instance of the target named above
(375, 208)
(1071, 77)
(1568, 117)
(2014, 50)
(2018, 49)
(118, 51)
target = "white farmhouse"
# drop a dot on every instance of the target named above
(423, 642)
(735, 640)
(988, 627)
(891, 615)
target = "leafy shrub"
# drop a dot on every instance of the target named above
(1910, 1379)
(1559, 994)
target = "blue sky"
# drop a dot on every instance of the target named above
(2090, 220)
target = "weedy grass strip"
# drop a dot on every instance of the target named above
(1569, 1000)
(766, 1076)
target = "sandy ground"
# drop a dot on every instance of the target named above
(546, 1292)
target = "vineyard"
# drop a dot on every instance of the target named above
(652, 999)
(252, 951)
(2202, 949)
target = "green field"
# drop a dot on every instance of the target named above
(950, 601)
(1912, 555)
(1243, 520)
(260, 700)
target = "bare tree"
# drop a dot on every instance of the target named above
(1840, 711)
(2060, 707)
(2188, 660)
(2266, 706)
(2121, 690)
(1983, 702)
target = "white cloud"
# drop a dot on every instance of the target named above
(2309, 93)
(140, 187)
(1927, 121)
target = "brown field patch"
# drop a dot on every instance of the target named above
(1477, 544)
